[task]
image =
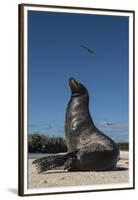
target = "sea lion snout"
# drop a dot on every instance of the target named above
(76, 87)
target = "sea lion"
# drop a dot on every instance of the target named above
(88, 148)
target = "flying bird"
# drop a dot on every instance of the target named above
(88, 49)
(108, 124)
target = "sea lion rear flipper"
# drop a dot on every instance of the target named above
(52, 162)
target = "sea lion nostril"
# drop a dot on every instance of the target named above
(73, 81)
(71, 78)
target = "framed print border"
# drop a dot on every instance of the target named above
(22, 109)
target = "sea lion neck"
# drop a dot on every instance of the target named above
(80, 99)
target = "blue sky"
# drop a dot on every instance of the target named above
(54, 55)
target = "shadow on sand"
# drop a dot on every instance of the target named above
(65, 171)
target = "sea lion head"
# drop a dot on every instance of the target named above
(77, 89)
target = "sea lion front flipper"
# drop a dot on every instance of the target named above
(71, 162)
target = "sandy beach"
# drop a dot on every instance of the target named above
(54, 178)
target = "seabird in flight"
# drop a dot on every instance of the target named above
(88, 49)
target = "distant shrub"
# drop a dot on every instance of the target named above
(124, 146)
(38, 143)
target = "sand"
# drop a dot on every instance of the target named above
(54, 178)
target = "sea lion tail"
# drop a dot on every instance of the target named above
(51, 162)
